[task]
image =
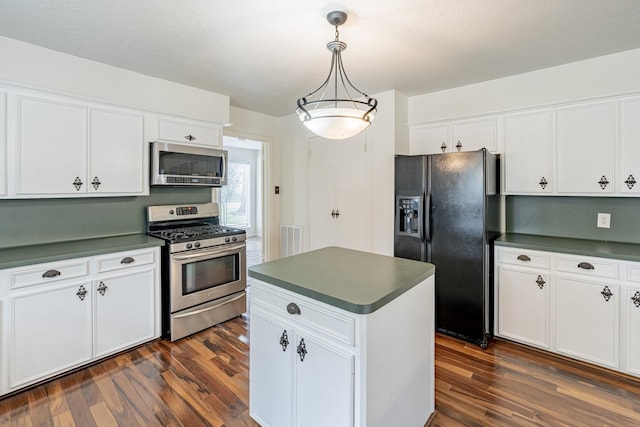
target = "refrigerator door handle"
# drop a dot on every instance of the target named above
(426, 214)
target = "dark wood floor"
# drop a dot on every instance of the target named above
(203, 381)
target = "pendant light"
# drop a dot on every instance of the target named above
(342, 116)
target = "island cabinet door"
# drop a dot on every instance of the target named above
(324, 383)
(271, 371)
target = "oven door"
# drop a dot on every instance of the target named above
(200, 276)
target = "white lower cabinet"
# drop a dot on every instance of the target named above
(631, 324)
(313, 364)
(523, 306)
(590, 309)
(61, 315)
(124, 311)
(588, 320)
(50, 330)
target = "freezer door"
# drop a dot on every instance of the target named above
(410, 179)
(457, 242)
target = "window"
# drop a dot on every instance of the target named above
(235, 203)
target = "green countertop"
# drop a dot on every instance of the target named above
(35, 254)
(359, 282)
(595, 248)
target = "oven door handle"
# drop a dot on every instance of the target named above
(226, 250)
(202, 310)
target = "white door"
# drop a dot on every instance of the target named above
(50, 332)
(585, 149)
(587, 320)
(518, 289)
(125, 311)
(528, 140)
(338, 193)
(271, 371)
(117, 151)
(52, 147)
(324, 383)
(628, 177)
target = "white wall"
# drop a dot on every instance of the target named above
(262, 127)
(592, 78)
(38, 67)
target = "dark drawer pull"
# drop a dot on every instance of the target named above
(523, 258)
(127, 260)
(50, 273)
(586, 266)
(293, 308)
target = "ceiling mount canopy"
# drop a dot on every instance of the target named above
(331, 110)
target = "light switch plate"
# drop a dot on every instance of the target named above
(604, 220)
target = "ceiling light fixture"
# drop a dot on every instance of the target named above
(342, 116)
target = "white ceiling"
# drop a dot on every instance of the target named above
(266, 54)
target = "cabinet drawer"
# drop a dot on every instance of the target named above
(321, 318)
(600, 267)
(631, 272)
(525, 257)
(45, 273)
(123, 260)
(188, 132)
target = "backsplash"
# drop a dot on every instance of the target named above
(574, 217)
(33, 221)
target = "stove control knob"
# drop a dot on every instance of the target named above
(234, 239)
(189, 245)
(171, 212)
(196, 244)
(227, 240)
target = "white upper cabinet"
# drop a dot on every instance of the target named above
(117, 152)
(528, 139)
(473, 135)
(628, 170)
(585, 149)
(69, 148)
(193, 132)
(462, 135)
(430, 139)
(3, 143)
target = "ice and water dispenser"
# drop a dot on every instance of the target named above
(408, 215)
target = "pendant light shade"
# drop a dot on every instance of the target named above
(342, 116)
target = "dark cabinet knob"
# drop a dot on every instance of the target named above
(586, 266)
(50, 274)
(293, 308)
(524, 258)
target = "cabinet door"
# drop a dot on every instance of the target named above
(117, 153)
(430, 139)
(473, 135)
(585, 149)
(50, 331)
(587, 320)
(628, 176)
(52, 147)
(632, 328)
(337, 184)
(271, 371)
(523, 306)
(189, 132)
(527, 152)
(125, 311)
(323, 374)
(3, 144)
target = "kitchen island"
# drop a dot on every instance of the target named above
(342, 338)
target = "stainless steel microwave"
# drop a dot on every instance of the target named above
(184, 165)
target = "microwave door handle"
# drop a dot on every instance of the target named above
(228, 250)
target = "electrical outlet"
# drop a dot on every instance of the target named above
(604, 220)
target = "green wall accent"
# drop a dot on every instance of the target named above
(574, 217)
(33, 221)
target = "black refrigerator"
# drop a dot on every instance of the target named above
(447, 212)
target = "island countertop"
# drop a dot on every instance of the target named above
(359, 282)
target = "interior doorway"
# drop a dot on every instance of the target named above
(242, 199)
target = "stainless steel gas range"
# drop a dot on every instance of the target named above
(203, 267)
